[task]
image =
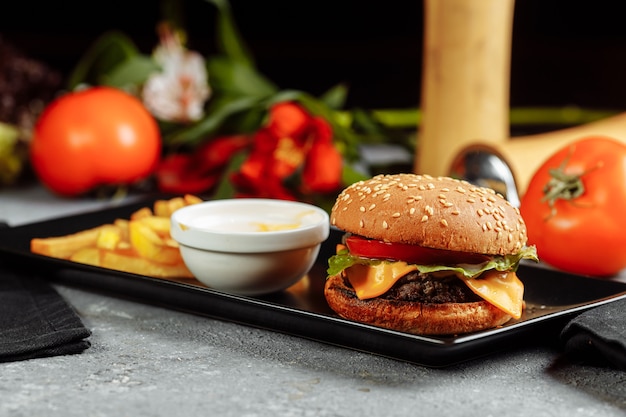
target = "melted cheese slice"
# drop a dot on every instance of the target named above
(371, 281)
(503, 290)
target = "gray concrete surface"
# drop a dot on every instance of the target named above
(149, 361)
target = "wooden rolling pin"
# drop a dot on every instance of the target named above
(465, 92)
(465, 84)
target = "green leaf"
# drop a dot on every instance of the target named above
(134, 70)
(335, 98)
(225, 188)
(195, 133)
(106, 53)
(343, 260)
(349, 175)
(499, 263)
(398, 118)
(230, 77)
(229, 40)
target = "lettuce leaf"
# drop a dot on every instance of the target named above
(344, 259)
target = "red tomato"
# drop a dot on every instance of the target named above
(574, 208)
(98, 136)
(413, 254)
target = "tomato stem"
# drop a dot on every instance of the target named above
(564, 186)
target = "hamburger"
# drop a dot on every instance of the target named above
(424, 255)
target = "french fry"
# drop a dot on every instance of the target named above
(191, 199)
(162, 208)
(175, 203)
(65, 246)
(151, 246)
(89, 256)
(141, 213)
(142, 266)
(160, 225)
(140, 244)
(165, 208)
(122, 224)
(110, 237)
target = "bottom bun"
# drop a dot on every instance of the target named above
(412, 317)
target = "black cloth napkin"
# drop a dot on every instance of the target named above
(598, 336)
(35, 321)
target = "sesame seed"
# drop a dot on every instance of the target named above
(362, 209)
(480, 212)
(424, 218)
(361, 224)
(395, 215)
(444, 222)
(471, 200)
(372, 207)
(385, 225)
(412, 210)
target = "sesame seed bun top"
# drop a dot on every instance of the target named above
(440, 213)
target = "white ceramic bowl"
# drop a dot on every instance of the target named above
(249, 246)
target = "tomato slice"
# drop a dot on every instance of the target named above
(413, 254)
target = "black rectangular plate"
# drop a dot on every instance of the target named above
(551, 297)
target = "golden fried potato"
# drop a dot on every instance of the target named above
(141, 244)
(162, 208)
(110, 237)
(160, 225)
(141, 213)
(142, 266)
(65, 246)
(191, 199)
(151, 246)
(89, 256)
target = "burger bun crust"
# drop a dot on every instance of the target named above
(440, 213)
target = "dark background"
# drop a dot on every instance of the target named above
(563, 52)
